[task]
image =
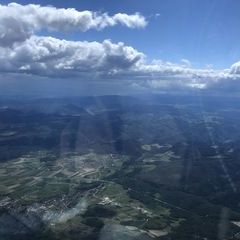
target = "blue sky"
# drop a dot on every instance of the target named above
(204, 32)
(111, 46)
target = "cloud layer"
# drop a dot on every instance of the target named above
(19, 22)
(49, 56)
(23, 52)
(105, 61)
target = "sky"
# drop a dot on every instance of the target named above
(110, 47)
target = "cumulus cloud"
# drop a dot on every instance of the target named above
(53, 57)
(49, 56)
(163, 71)
(164, 76)
(23, 52)
(18, 22)
(105, 61)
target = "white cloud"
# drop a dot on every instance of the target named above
(22, 52)
(235, 68)
(49, 56)
(104, 62)
(18, 22)
(161, 69)
(186, 63)
(131, 21)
